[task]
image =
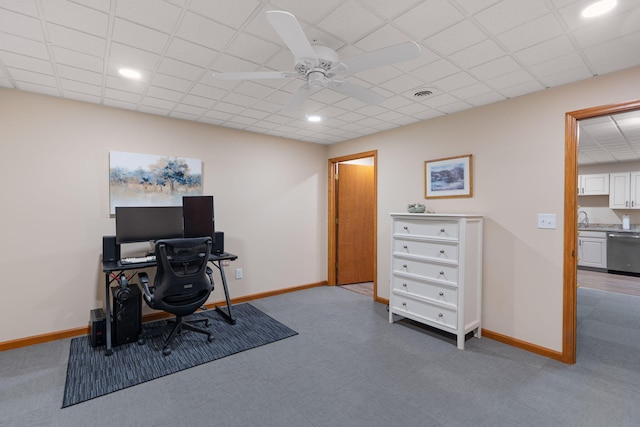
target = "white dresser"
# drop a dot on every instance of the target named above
(436, 271)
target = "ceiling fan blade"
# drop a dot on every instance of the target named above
(361, 93)
(298, 98)
(255, 75)
(289, 30)
(385, 56)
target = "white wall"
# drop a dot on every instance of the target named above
(518, 159)
(270, 200)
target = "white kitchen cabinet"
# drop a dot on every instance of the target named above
(592, 249)
(436, 271)
(595, 184)
(624, 190)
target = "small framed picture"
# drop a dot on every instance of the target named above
(448, 177)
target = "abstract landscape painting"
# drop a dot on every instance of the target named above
(152, 180)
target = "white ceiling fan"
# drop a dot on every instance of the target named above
(321, 66)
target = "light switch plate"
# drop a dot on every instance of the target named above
(547, 221)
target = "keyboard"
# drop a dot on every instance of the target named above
(138, 260)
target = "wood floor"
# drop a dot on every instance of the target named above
(360, 288)
(629, 285)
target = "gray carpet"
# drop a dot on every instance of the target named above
(91, 374)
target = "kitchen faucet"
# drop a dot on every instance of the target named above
(586, 218)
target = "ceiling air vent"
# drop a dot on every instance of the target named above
(424, 93)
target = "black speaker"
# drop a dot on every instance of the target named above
(110, 249)
(98, 327)
(218, 243)
(126, 323)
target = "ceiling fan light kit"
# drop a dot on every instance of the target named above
(320, 66)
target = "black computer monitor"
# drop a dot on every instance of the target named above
(198, 216)
(147, 223)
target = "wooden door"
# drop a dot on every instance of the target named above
(355, 223)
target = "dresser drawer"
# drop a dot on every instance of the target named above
(406, 305)
(446, 273)
(441, 229)
(441, 294)
(438, 250)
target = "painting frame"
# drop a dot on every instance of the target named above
(448, 177)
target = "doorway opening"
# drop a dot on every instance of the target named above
(570, 290)
(352, 228)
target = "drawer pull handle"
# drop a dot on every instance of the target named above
(404, 265)
(441, 294)
(404, 285)
(404, 304)
(405, 247)
(442, 230)
(441, 251)
(406, 228)
(442, 273)
(440, 314)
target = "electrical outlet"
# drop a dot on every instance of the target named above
(547, 221)
(238, 273)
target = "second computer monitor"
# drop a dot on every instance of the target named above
(197, 212)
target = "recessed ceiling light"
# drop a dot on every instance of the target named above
(598, 8)
(314, 118)
(129, 73)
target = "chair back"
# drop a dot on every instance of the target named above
(181, 284)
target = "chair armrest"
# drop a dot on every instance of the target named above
(144, 282)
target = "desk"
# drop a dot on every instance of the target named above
(113, 269)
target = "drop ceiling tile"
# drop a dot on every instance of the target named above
(77, 59)
(133, 57)
(180, 69)
(560, 78)
(121, 95)
(455, 38)
(204, 32)
(198, 101)
(80, 87)
(25, 7)
(475, 55)
(546, 51)
(240, 100)
(510, 79)
(190, 109)
(26, 76)
(11, 43)
(82, 96)
(485, 99)
(26, 62)
(493, 69)
(252, 48)
(159, 15)
(128, 33)
(21, 25)
(455, 81)
(506, 15)
(76, 16)
(253, 89)
(165, 104)
(191, 53)
(381, 38)
(435, 70)
(402, 84)
(428, 18)
(379, 75)
(309, 11)
(162, 93)
(76, 40)
(531, 33)
(78, 74)
(523, 88)
(170, 82)
(564, 63)
(37, 88)
(219, 11)
(471, 91)
(341, 23)
(124, 85)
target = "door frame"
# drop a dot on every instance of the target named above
(333, 213)
(570, 290)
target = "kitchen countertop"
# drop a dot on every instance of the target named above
(609, 227)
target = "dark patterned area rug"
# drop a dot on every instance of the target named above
(91, 374)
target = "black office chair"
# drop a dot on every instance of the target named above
(182, 284)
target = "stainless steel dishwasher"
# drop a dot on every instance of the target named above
(623, 252)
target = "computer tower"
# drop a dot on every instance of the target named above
(98, 327)
(126, 322)
(218, 243)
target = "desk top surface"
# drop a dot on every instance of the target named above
(109, 266)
